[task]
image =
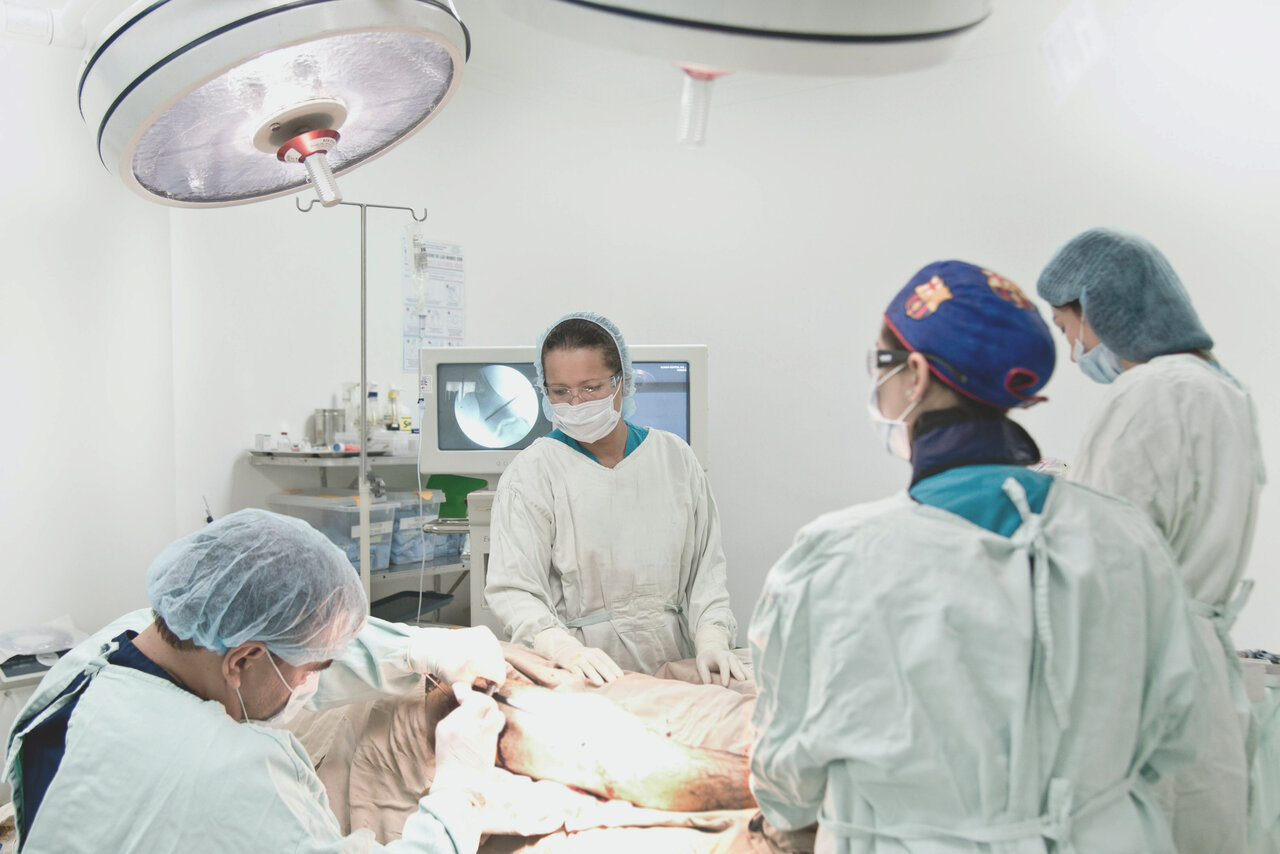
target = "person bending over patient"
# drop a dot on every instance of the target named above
(153, 734)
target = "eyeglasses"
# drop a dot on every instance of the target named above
(877, 359)
(587, 392)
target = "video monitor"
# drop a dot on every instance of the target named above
(483, 407)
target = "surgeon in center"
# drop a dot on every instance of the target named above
(606, 551)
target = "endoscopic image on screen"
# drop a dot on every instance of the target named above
(488, 407)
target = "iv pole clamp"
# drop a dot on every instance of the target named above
(365, 498)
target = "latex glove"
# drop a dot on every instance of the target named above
(590, 663)
(467, 740)
(715, 654)
(1050, 465)
(458, 655)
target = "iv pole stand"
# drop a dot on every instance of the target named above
(365, 499)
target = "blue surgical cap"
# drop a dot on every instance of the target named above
(628, 372)
(989, 341)
(1128, 291)
(259, 576)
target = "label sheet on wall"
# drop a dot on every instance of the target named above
(433, 295)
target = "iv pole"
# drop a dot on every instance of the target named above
(365, 498)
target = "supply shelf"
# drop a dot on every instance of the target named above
(442, 565)
(396, 578)
(329, 462)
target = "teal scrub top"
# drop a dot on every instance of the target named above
(635, 435)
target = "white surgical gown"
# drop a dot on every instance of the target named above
(920, 692)
(1179, 438)
(150, 767)
(628, 559)
(1264, 817)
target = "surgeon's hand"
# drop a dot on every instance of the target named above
(723, 661)
(716, 653)
(467, 740)
(1051, 465)
(564, 649)
(458, 655)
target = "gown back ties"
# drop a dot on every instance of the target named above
(1055, 823)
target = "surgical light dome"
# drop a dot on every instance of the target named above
(710, 38)
(203, 104)
(811, 37)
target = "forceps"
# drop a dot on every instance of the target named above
(491, 691)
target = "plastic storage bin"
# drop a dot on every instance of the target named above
(336, 514)
(450, 545)
(414, 509)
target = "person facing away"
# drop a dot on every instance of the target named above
(605, 541)
(995, 660)
(1176, 435)
(156, 734)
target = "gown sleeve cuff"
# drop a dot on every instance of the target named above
(459, 810)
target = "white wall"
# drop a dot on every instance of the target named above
(778, 244)
(86, 360)
(86, 427)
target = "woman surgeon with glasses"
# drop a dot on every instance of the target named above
(993, 660)
(606, 552)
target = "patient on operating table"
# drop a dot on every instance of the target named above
(645, 763)
(592, 744)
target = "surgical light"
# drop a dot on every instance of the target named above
(809, 37)
(202, 104)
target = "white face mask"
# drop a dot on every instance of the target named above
(893, 431)
(589, 421)
(1099, 364)
(298, 697)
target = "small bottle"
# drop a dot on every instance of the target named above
(406, 415)
(372, 411)
(391, 418)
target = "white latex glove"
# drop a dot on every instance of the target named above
(458, 655)
(1051, 465)
(590, 663)
(715, 654)
(467, 740)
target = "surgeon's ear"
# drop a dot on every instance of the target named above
(920, 376)
(238, 658)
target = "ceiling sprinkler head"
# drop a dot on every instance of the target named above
(310, 150)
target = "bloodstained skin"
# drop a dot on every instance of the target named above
(589, 743)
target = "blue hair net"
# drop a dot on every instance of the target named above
(259, 576)
(1130, 294)
(628, 372)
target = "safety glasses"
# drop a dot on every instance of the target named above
(588, 392)
(878, 359)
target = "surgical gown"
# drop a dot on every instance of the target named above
(150, 767)
(926, 687)
(1178, 437)
(1264, 817)
(628, 559)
